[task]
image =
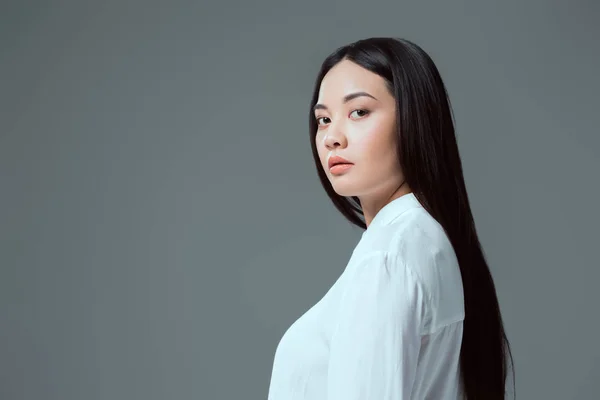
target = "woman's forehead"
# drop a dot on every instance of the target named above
(348, 77)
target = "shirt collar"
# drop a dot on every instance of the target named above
(393, 209)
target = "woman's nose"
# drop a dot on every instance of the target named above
(334, 140)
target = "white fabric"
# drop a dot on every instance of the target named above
(390, 327)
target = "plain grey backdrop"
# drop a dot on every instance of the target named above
(162, 223)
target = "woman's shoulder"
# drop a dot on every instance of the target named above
(414, 232)
(418, 242)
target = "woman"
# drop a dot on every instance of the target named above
(414, 315)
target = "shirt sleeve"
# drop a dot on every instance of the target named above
(375, 345)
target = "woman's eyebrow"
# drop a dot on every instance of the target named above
(346, 99)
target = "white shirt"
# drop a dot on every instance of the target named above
(390, 327)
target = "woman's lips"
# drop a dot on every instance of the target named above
(340, 168)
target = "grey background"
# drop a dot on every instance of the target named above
(161, 220)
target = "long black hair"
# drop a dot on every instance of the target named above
(429, 157)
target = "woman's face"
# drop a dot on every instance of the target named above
(361, 130)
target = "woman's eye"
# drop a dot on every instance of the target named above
(364, 112)
(360, 113)
(320, 119)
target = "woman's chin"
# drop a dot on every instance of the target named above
(344, 190)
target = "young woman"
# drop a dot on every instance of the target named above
(414, 315)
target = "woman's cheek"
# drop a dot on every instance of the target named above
(368, 141)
